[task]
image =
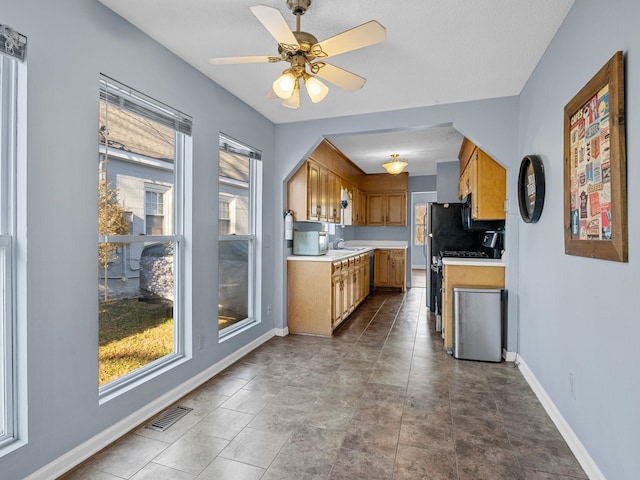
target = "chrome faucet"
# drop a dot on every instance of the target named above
(336, 244)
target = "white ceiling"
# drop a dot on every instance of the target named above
(436, 52)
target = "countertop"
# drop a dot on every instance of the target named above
(474, 262)
(350, 251)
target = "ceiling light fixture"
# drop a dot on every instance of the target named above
(315, 88)
(293, 101)
(395, 165)
(287, 84)
(284, 84)
(302, 49)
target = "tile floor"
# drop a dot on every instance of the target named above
(379, 400)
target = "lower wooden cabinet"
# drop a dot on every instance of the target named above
(390, 269)
(322, 294)
(464, 276)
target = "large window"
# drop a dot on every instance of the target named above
(238, 228)
(10, 70)
(142, 147)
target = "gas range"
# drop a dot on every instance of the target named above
(463, 254)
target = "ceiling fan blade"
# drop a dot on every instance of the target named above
(253, 59)
(339, 76)
(361, 36)
(276, 25)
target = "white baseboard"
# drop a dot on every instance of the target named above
(509, 356)
(92, 446)
(281, 332)
(582, 455)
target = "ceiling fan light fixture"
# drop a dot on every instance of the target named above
(395, 165)
(315, 88)
(284, 85)
(294, 99)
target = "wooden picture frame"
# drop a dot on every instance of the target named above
(595, 179)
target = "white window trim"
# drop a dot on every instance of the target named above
(166, 216)
(12, 163)
(183, 153)
(255, 251)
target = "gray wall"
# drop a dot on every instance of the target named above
(70, 43)
(448, 174)
(580, 315)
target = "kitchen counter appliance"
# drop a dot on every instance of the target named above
(477, 323)
(310, 243)
(445, 233)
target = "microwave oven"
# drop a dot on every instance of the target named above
(310, 243)
(471, 225)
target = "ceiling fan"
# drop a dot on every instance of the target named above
(301, 50)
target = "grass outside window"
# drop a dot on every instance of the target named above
(132, 333)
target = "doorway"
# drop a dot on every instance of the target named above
(418, 243)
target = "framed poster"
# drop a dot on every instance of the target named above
(595, 180)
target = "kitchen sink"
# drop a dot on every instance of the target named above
(352, 249)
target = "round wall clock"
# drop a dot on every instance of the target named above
(531, 188)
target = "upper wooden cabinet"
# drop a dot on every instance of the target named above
(314, 191)
(486, 181)
(387, 209)
(314, 194)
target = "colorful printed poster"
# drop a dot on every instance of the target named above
(590, 175)
(603, 102)
(593, 229)
(597, 173)
(594, 204)
(583, 205)
(575, 224)
(605, 218)
(589, 172)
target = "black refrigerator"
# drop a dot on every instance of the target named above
(445, 232)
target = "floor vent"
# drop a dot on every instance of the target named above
(168, 418)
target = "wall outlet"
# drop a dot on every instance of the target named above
(200, 342)
(572, 385)
(269, 309)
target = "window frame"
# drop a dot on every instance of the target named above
(182, 154)
(417, 224)
(254, 237)
(11, 83)
(158, 190)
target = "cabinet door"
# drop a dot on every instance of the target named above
(398, 273)
(396, 209)
(464, 186)
(382, 273)
(323, 193)
(359, 207)
(346, 292)
(376, 210)
(491, 184)
(365, 275)
(313, 191)
(336, 297)
(333, 197)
